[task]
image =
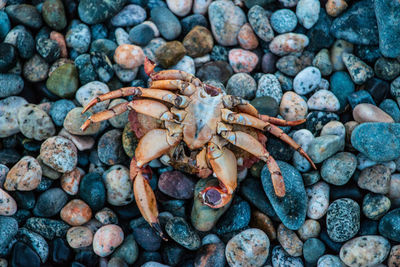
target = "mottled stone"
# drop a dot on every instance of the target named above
(307, 12)
(288, 43)
(107, 239)
(35, 123)
(24, 176)
(366, 112)
(375, 179)
(324, 147)
(118, 185)
(8, 206)
(358, 70)
(180, 231)
(8, 118)
(59, 153)
(307, 80)
(289, 241)
(259, 21)
(338, 169)
(79, 237)
(318, 200)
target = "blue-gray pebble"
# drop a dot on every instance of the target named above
(390, 107)
(166, 22)
(5, 25)
(8, 229)
(389, 225)
(291, 208)
(283, 20)
(378, 141)
(97, 11)
(141, 34)
(59, 110)
(92, 191)
(341, 86)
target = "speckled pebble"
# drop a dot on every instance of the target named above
(242, 85)
(248, 248)
(118, 185)
(293, 107)
(324, 147)
(59, 153)
(180, 231)
(90, 91)
(8, 118)
(59, 110)
(8, 206)
(78, 38)
(304, 138)
(70, 181)
(287, 43)
(109, 147)
(34, 122)
(365, 250)
(247, 38)
(283, 20)
(268, 85)
(106, 216)
(289, 241)
(343, 219)
(50, 202)
(24, 176)
(375, 179)
(76, 213)
(374, 206)
(242, 60)
(281, 258)
(74, 120)
(318, 200)
(35, 241)
(307, 80)
(323, 100)
(307, 12)
(129, 56)
(359, 71)
(338, 169)
(107, 239)
(79, 237)
(310, 229)
(130, 15)
(259, 21)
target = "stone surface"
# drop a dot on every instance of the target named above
(24, 176)
(107, 239)
(34, 122)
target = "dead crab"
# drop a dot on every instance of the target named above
(203, 118)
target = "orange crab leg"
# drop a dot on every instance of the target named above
(276, 131)
(126, 91)
(144, 196)
(248, 120)
(185, 87)
(223, 163)
(281, 122)
(105, 115)
(167, 96)
(151, 108)
(253, 146)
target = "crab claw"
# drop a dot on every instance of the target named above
(149, 66)
(223, 163)
(144, 196)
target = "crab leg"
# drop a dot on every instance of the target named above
(148, 107)
(281, 122)
(248, 120)
(223, 163)
(276, 131)
(185, 87)
(152, 145)
(253, 146)
(105, 115)
(126, 91)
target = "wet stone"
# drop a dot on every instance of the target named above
(128, 251)
(283, 20)
(93, 12)
(48, 228)
(359, 71)
(8, 119)
(339, 168)
(236, 217)
(242, 60)
(388, 225)
(23, 255)
(92, 191)
(372, 138)
(260, 23)
(59, 153)
(167, 23)
(310, 229)
(118, 185)
(266, 105)
(365, 250)
(180, 231)
(281, 258)
(24, 176)
(176, 185)
(79, 237)
(375, 179)
(110, 148)
(130, 15)
(292, 208)
(50, 203)
(313, 249)
(343, 219)
(318, 200)
(48, 49)
(107, 239)
(250, 247)
(268, 85)
(35, 241)
(141, 34)
(375, 206)
(242, 85)
(324, 147)
(307, 12)
(24, 14)
(289, 241)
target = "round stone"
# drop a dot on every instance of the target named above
(293, 107)
(290, 242)
(90, 91)
(24, 176)
(50, 202)
(343, 219)
(59, 153)
(76, 213)
(63, 82)
(79, 237)
(307, 80)
(166, 22)
(118, 185)
(338, 169)
(242, 85)
(375, 206)
(318, 200)
(129, 16)
(8, 206)
(269, 85)
(250, 247)
(288, 43)
(35, 123)
(375, 179)
(313, 249)
(242, 60)
(107, 239)
(307, 12)
(323, 100)
(283, 20)
(259, 21)
(198, 42)
(129, 56)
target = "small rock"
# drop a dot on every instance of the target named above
(247, 38)
(338, 169)
(109, 148)
(242, 60)
(35, 241)
(358, 70)
(259, 21)
(242, 85)
(50, 203)
(289, 241)
(198, 42)
(307, 80)
(263, 222)
(78, 38)
(268, 85)
(250, 247)
(334, 128)
(391, 108)
(35, 123)
(375, 179)
(324, 147)
(283, 20)
(129, 16)
(25, 14)
(129, 56)
(387, 68)
(23, 255)
(375, 206)
(170, 53)
(180, 8)
(76, 213)
(128, 251)
(75, 119)
(8, 118)
(8, 206)
(93, 12)
(24, 176)
(310, 229)
(366, 112)
(90, 91)
(107, 239)
(48, 228)
(394, 257)
(167, 23)
(288, 43)
(281, 258)
(323, 100)
(338, 48)
(304, 138)
(293, 107)
(307, 12)
(318, 200)
(236, 217)
(211, 254)
(59, 110)
(387, 15)
(180, 231)
(118, 185)
(313, 249)
(322, 62)
(343, 219)
(365, 250)
(330, 261)
(141, 34)
(79, 237)
(186, 64)
(92, 191)
(106, 216)
(175, 184)
(59, 153)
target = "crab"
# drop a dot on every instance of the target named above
(199, 117)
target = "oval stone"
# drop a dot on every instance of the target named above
(292, 208)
